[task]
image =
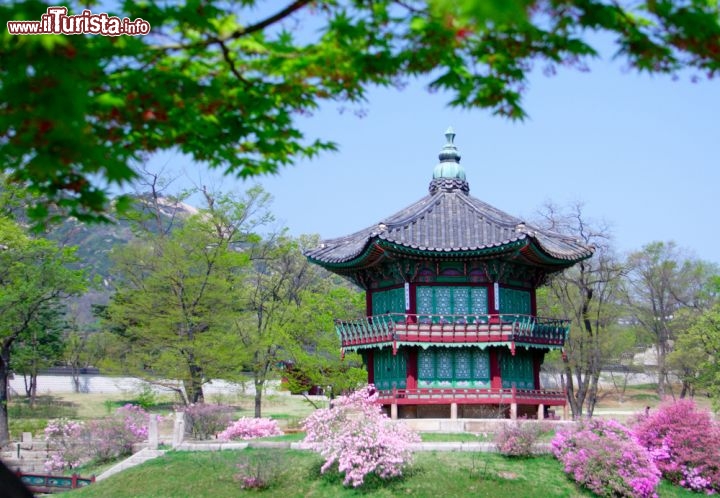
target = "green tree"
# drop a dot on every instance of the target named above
(34, 276)
(83, 349)
(175, 298)
(40, 346)
(279, 317)
(662, 281)
(697, 351)
(224, 82)
(587, 293)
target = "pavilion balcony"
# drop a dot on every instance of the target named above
(477, 396)
(401, 328)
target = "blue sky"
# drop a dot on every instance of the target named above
(640, 152)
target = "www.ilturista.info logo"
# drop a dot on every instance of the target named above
(57, 21)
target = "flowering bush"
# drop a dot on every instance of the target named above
(685, 443)
(250, 428)
(360, 438)
(605, 457)
(71, 443)
(519, 439)
(206, 420)
(64, 444)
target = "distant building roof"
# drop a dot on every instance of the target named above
(450, 222)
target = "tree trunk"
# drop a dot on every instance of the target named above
(258, 397)
(75, 378)
(4, 398)
(592, 393)
(30, 381)
(661, 368)
(193, 387)
(33, 388)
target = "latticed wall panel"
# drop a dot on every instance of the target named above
(442, 300)
(518, 369)
(390, 371)
(453, 367)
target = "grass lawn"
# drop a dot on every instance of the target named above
(296, 474)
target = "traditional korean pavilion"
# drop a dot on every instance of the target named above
(451, 327)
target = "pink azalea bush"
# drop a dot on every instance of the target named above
(63, 437)
(685, 443)
(250, 428)
(357, 436)
(206, 420)
(519, 439)
(72, 443)
(605, 457)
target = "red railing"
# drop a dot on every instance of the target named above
(548, 397)
(425, 328)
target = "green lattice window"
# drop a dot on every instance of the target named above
(518, 369)
(458, 367)
(392, 301)
(390, 371)
(514, 301)
(445, 301)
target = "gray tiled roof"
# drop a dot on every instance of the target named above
(449, 220)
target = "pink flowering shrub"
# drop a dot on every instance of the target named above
(71, 443)
(64, 445)
(519, 439)
(250, 428)
(685, 443)
(357, 436)
(205, 420)
(606, 458)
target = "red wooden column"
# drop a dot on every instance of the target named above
(495, 379)
(412, 368)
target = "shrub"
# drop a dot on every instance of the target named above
(605, 457)
(257, 471)
(146, 397)
(519, 439)
(205, 420)
(65, 449)
(357, 436)
(250, 428)
(73, 443)
(685, 443)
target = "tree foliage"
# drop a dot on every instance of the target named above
(587, 293)
(285, 314)
(225, 83)
(223, 295)
(175, 296)
(696, 354)
(34, 278)
(662, 282)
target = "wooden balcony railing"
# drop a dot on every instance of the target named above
(429, 396)
(422, 328)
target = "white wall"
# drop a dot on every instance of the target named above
(101, 384)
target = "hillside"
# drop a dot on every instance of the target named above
(95, 242)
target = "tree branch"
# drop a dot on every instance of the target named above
(239, 33)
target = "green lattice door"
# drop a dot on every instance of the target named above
(389, 301)
(390, 371)
(518, 369)
(446, 302)
(453, 367)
